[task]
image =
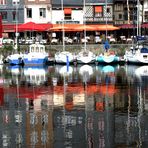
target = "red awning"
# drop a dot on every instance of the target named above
(67, 10)
(127, 26)
(1, 96)
(144, 25)
(30, 26)
(9, 27)
(98, 9)
(1, 27)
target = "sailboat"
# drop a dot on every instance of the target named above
(108, 56)
(15, 58)
(85, 56)
(138, 52)
(63, 57)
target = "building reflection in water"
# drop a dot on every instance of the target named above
(82, 106)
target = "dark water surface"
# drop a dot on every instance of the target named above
(84, 106)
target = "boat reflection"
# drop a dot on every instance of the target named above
(35, 75)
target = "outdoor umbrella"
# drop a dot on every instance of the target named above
(60, 27)
(85, 27)
(107, 27)
(30, 26)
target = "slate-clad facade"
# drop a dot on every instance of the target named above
(9, 9)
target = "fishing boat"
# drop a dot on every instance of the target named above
(137, 54)
(36, 55)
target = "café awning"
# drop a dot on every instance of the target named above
(145, 25)
(81, 27)
(127, 26)
(32, 26)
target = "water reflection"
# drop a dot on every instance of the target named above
(75, 106)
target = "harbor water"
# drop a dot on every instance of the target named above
(66, 106)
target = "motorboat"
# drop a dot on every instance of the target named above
(36, 55)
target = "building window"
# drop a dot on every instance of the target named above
(146, 15)
(29, 12)
(4, 15)
(120, 16)
(98, 11)
(2, 2)
(67, 13)
(14, 15)
(42, 12)
(108, 10)
(15, 2)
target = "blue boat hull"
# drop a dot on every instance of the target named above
(109, 59)
(15, 62)
(35, 61)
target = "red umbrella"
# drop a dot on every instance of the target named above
(30, 26)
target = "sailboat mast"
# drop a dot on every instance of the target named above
(128, 11)
(138, 18)
(63, 31)
(16, 24)
(84, 23)
(106, 20)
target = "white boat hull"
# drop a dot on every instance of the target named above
(64, 57)
(85, 57)
(137, 58)
(35, 58)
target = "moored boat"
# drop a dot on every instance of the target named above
(137, 54)
(64, 57)
(36, 55)
(107, 57)
(85, 57)
(15, 59)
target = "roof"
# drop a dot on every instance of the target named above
(67, 3)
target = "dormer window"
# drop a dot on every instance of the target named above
(15, 2)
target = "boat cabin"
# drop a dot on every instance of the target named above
(39, 48)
